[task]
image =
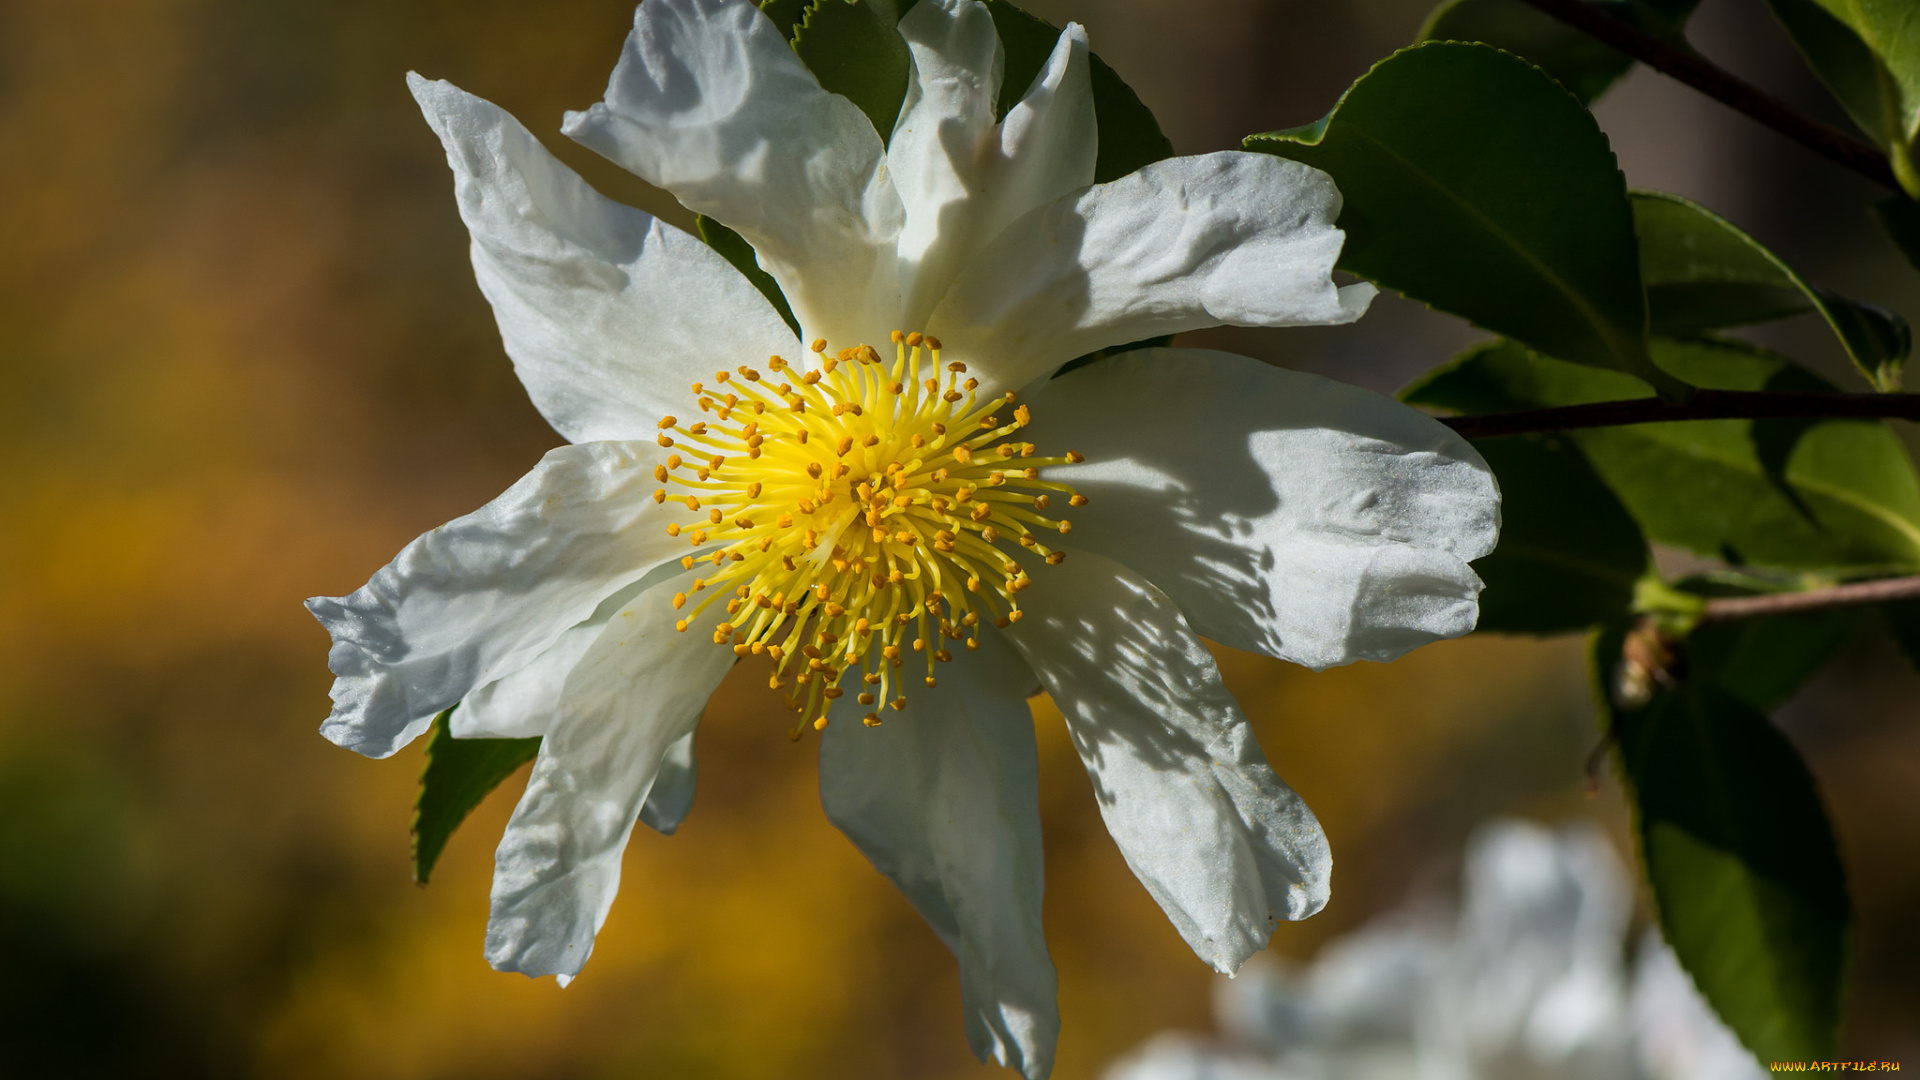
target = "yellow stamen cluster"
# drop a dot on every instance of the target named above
(852, 512)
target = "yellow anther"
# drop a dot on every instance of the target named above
(851, 587)
(819, 345)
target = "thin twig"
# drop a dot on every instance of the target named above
(1691, 68)
(1725, 608)
(1702, 405)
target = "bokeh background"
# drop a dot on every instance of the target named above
(242, 361)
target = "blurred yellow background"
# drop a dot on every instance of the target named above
(243, 360)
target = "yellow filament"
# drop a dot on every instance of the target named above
(854, 513)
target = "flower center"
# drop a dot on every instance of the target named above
(856, 512)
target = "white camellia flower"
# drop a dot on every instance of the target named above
(1527, 984)
(858, 502)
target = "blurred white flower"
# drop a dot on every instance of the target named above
(1528, 983)
(845, 498)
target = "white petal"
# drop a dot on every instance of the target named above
(940, 145)
(1049, 142)
(961, 177)
(525, 704)
(672, 795)
(1227, 238)
(638, 690)
(1285, 513)
(710, 102)
(1174, 1055)
(486, 593)
(1225, 847)
(522, 704)
(944, 799)
(607, 313)
(1537, 957)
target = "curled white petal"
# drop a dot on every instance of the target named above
(710, 102)
(1226, 848)
(607, 312)
(961, 177)
(636, 693)
(944, 799)
(484, 594)
(1228, 238)
(1285, 513)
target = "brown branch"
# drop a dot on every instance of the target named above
(1725, 608)
(1702, 405)
(1696, 71)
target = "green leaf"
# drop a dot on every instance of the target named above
(1763, 662)
(1742, 862)
(1129, 135)
(1477, 185)
(1900, 217)
(1792, 494)
(1583, 65)
(459, 773)
(1702, 273)
(851, 46)
(1868, 54)
(1569, 553)
(786, 14)
(734, 248)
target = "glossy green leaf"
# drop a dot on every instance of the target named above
(1569, 553)
(1900, 217)
(1129, 135)
(734, 248)
(1868, 54)
(1702, 273)
(1477, 185)
(786, 14)
(1583, 65)
(1763, 662)
(459, 773)
(853, 48)
(1744, 870)
(1792, 494)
